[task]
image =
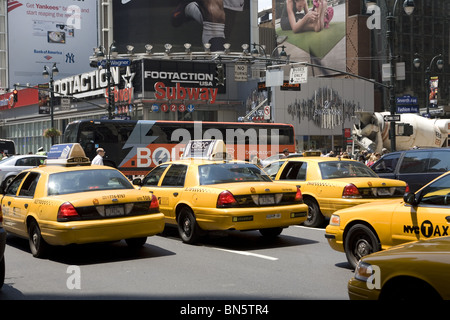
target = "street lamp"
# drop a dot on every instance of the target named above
(439, 64)
(51, 73)
(408, 7)
(112, 53)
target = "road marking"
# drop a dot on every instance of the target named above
(244, 253)
(311, 228)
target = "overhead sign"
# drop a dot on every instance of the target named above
(391, 117)
(298, 75)
(115, 63)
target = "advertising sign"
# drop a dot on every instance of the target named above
(46, 32)
(176, 22)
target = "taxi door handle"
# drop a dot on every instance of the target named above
(9, 203)
(26, 205)
(447, 218)
(175, 194)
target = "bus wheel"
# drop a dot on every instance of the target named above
(187, 226)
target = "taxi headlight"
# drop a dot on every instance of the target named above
(363, 271)
(335, 220)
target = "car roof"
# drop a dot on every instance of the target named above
(200, 161)
(317, 159)
(56, 168)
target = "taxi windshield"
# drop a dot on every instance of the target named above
(230, 172)
(345, 169)
(86, 180)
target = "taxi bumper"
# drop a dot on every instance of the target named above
(358, 290)
(334, 236)
(114, 229)
(250, 218)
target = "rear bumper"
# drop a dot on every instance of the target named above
(78, 232)
(250, 218)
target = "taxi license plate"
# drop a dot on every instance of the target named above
(266, 199)
(114, 211)
(273, 216)
(383, 192)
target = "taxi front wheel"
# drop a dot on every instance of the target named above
(38, 246)
(188, 228)
(359, 242)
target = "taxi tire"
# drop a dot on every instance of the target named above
(360, 241)
(2, 271)
(38, 246)
(187, 226)
(136, 243)
(315, 217)
(270, 233)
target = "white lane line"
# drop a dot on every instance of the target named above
(310, 228)
(244, 253)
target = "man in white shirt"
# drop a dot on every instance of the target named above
(99, 157)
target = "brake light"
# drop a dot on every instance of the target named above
(66, 212)
(225, 199)
(407, 189)
(298, 195)
(154, 204)
(351, 191)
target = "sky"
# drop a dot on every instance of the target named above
(264, 4)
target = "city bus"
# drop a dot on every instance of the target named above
(135, 146)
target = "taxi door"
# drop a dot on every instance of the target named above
(17, 201)
(429, 218)
(170, 190)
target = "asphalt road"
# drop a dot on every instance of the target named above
(298, 265)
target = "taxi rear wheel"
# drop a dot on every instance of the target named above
(315, 217)
(359, 242)
(271, 232)
(136, 243)
(38, 246)
(187, 226)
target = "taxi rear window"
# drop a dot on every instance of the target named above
(230, 172)
(344, 169)
(86, 180)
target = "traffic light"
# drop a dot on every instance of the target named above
(220, 72)
(15, 92)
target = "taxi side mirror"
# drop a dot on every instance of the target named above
(137, 181)
(410, 198)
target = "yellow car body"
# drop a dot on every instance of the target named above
(413, 271)
(329, 184)
(203, 195)
(61, 205)
(367, 228)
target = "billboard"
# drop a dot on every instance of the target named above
(176, 22)
(46, 32)
(313, 31)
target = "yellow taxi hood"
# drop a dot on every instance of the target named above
(255, 187)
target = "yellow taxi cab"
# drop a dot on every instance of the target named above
(412, 271)
(329, 184)
(207, 191)
(68, 201)
(367, 228)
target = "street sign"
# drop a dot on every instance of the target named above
(391, 117)
(266, 112)
(240, 72)
(298, 75)
(115, 63)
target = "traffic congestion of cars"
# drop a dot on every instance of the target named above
(393, 238)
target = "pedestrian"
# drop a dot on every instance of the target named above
(41, 151)
(285, 153)
(99, 157)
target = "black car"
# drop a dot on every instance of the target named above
(2, 251)
(416, 167)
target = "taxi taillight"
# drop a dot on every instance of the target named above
(298, 195)
(351, 191)
(225, 200)
(154, 204)
(66, 212)
(407, 189)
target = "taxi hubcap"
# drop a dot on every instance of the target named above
(187, 226)
(363, 248)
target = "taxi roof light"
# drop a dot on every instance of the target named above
(210, 149)
(68, 154)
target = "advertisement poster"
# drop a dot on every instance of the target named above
(176, 22)
(313, 31)
(46, 32)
